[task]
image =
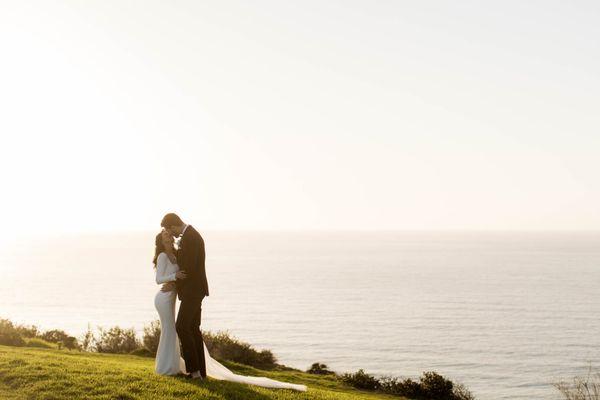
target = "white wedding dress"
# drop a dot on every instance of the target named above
(168, 358)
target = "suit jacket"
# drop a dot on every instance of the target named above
(190, 258)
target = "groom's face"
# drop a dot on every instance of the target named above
(174, 230)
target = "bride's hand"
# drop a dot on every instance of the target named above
(180, 275)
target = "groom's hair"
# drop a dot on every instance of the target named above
(171, 219)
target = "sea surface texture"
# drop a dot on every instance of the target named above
(507, 314)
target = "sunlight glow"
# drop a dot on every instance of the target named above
(387, 118)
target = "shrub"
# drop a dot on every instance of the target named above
(581, 388)
(319, 369)
(54, 336)
(431, 386)
(116, 340)
(87, 340)
(37, 342)
(401, 387)
(435, 386)
(461, 392)
(70, 343)
(61, 338)
(223, 346)
(9, 335)
(152, 337)
(361, 380)
(27, 331)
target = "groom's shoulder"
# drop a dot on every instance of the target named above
(194, 232)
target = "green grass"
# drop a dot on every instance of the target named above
(50, 374)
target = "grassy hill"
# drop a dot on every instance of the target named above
(49, 374)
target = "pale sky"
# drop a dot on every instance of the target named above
(300, 115)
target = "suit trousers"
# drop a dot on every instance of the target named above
(190, 336)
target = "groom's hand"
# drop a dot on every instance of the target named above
(168, 287)
(180, 275)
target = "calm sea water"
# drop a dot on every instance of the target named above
(505, 313)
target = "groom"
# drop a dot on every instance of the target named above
(191, 291)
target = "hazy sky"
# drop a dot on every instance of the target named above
(300, 115)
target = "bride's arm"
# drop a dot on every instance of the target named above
(161, 267)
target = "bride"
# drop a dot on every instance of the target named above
(168, 359)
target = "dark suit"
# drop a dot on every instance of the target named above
(191, 291)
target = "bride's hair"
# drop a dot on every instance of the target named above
(159, 248)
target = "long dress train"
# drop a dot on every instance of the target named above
(216, 370)
(168, 357)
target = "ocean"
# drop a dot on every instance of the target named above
(505, 313)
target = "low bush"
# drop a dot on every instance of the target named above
(87, 340)
(116, 340)
(27, 331)
(581, 387)
(361, 380)
(61, 338)
(54, 336)
(401, 387)
(152, 337)
(29, 335)
(9, 335)
(461, 392)
(319, 369)
(436, 386)
(69, 343)
(223, 346)
(431, 386)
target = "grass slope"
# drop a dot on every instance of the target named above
(49, 374)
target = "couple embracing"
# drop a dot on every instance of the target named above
(181, 272)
